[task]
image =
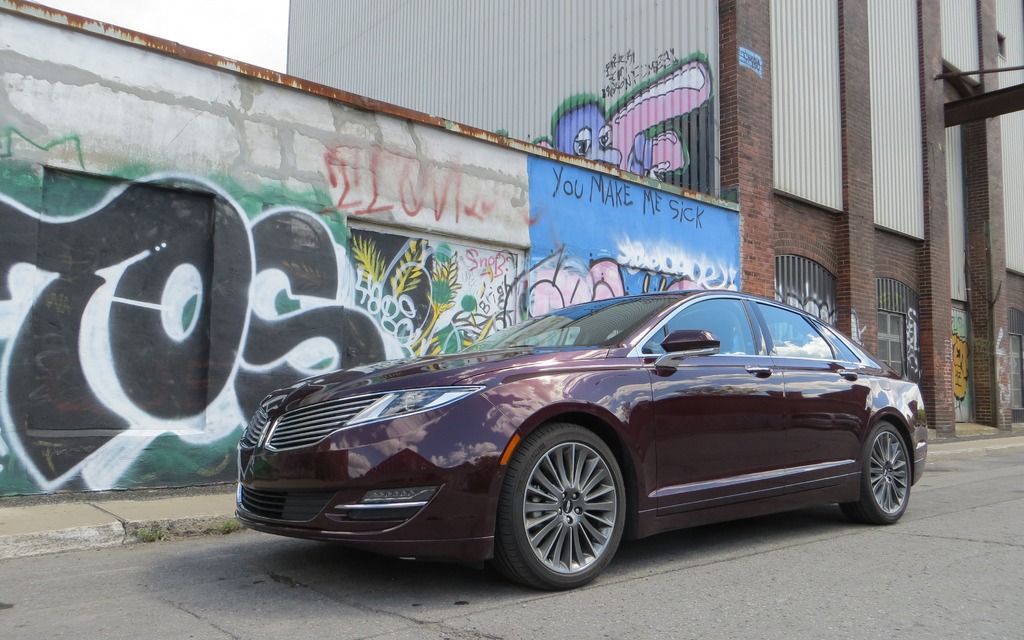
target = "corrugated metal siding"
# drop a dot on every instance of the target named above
(1010, 23)
(805, 284)
(960, 34)
(516, 65)
(957, 214)
(805, 91)
(897, 167)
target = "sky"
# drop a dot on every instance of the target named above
(253, 31)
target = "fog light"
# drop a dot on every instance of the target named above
(387, 504)
(398, 496)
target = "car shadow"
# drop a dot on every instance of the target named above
(271, 574)
(708, 543)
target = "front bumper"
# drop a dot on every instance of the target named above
(315, 492)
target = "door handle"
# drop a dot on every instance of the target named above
(760, 372)
(849, 374)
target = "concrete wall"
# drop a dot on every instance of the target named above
(177, 239)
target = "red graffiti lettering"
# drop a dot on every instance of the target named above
(370, 181)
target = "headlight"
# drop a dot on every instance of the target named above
(409, 401)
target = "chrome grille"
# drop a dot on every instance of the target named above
(311, 424)
(295, 506)
(255, 428)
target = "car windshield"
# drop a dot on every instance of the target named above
(594, 324)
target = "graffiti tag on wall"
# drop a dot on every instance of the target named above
(594, 237)
(466, 292)
(371, 183)
(649, 130)
(962, 399)
(120, 325)
(623, 71)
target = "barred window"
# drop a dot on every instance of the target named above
(890, 340)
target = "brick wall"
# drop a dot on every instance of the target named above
(933, 253)
(805, 230)
(986, 252)
(896, 258)
(855, 229)
(746, 137)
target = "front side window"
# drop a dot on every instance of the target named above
(793, 336)
(725, 319)
(890, 340)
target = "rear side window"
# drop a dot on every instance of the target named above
(844, 352)
(793, 335)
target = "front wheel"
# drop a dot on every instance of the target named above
(885, 479)
(561, 509)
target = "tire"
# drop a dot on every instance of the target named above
(885, 479)
(561, 509)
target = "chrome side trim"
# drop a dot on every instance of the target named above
(749, 477)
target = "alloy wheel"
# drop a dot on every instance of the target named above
(570, 507)
(890, 472)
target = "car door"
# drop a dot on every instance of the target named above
(719, 425)
(826, 396)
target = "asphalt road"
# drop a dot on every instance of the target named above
(952, 568)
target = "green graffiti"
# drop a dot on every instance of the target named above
(9, 134)
(188, 314)
(285, 305)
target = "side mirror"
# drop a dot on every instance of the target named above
(686, 343)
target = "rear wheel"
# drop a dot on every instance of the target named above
(885, 479)
(561, 510)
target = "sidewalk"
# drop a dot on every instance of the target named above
(110, 520)
(50, 524)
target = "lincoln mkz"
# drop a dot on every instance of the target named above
(542, 447)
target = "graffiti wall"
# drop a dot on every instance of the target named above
(155, 308)
(963, 385)
(593, 237)
(428, 297)
(660, 127)
(157, 282)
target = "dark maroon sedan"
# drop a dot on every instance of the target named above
(541, 447)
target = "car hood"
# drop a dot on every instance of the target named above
(430, 371)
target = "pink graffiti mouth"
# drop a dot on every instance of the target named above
(690, 81)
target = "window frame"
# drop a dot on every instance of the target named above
(901, 336)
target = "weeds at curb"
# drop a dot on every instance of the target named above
(227, 526)
(145, 534)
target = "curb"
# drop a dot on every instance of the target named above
(952, 450)
(76, 539)
(114, 520)
(114, 534)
